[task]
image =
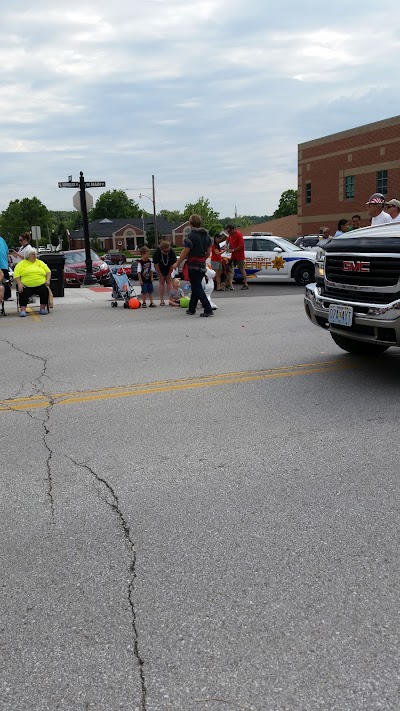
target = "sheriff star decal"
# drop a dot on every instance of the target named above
(278, 263)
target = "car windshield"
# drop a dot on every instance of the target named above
(79, 257)
(286, 245)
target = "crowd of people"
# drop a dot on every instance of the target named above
(380, 212)
(202, 260)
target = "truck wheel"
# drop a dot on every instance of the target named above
(358, 347)
(304, 274)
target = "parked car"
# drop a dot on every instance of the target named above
(308, 241)
(75, 268)
(275, 258)
(114, 258)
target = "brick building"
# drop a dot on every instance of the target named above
(338, 173)
(128, 233)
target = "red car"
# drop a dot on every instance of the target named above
(114, 258)
(75, 268)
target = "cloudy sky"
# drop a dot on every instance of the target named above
(210, 96)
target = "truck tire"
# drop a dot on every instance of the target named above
(304, 274)
(358, 347)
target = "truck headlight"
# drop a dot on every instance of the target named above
(320, 264)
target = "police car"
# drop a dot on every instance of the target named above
(271, 258)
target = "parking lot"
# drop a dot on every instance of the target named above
(196, 513)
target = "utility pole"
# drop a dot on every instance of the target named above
(154, 212)
(89, 279)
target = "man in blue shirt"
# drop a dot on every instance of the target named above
(4, 266)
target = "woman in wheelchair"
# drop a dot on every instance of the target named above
(32, 276)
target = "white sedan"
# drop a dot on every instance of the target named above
(274, 258)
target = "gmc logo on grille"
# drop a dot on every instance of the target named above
(356, 266)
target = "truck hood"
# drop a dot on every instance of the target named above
(367, 240)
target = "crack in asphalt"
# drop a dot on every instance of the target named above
(38, 389)
(115, 506)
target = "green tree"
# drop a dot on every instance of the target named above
(21, 215)
(245, 220)
(150, 238)
(114, 204)
(94, 241)
(62, 234)
(287, 204)
(64, 217)
(77, 222)
(171, 216)
(210, 217)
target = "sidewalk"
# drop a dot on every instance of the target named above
(83, 294)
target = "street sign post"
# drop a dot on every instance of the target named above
(89, 279)
(36, 233)
(76, 201)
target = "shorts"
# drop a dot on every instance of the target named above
(239, 263)
(216, 266)
(147, 287)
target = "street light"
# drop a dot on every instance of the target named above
(153, 200)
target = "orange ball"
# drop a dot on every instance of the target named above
(134, 303)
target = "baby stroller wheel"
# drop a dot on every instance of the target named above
(126, 306)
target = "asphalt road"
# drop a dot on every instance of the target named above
(196, 514)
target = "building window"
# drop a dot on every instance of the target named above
(381, 181)
(349, 187)
(308, 193)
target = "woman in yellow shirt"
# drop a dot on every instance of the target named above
(32, 276)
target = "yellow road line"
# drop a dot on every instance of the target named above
(32, 313)
(196, 379)
(20, 404)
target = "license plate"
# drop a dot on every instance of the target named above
(341, 315)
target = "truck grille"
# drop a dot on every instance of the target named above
(383, 271)
(367, 297)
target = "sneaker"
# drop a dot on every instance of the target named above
(23, 313)
(191, 313)
(207, 313)
(43, 312)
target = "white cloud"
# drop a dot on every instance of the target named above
(211, 96)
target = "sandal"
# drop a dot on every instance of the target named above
(151, 306)
(162, 303)
(144, 306)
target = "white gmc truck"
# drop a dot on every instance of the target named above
(356, 294)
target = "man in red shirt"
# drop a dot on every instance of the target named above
(236, 247)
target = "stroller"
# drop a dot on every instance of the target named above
(122, 288)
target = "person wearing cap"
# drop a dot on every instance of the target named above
(393, 209)
(375, 210)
